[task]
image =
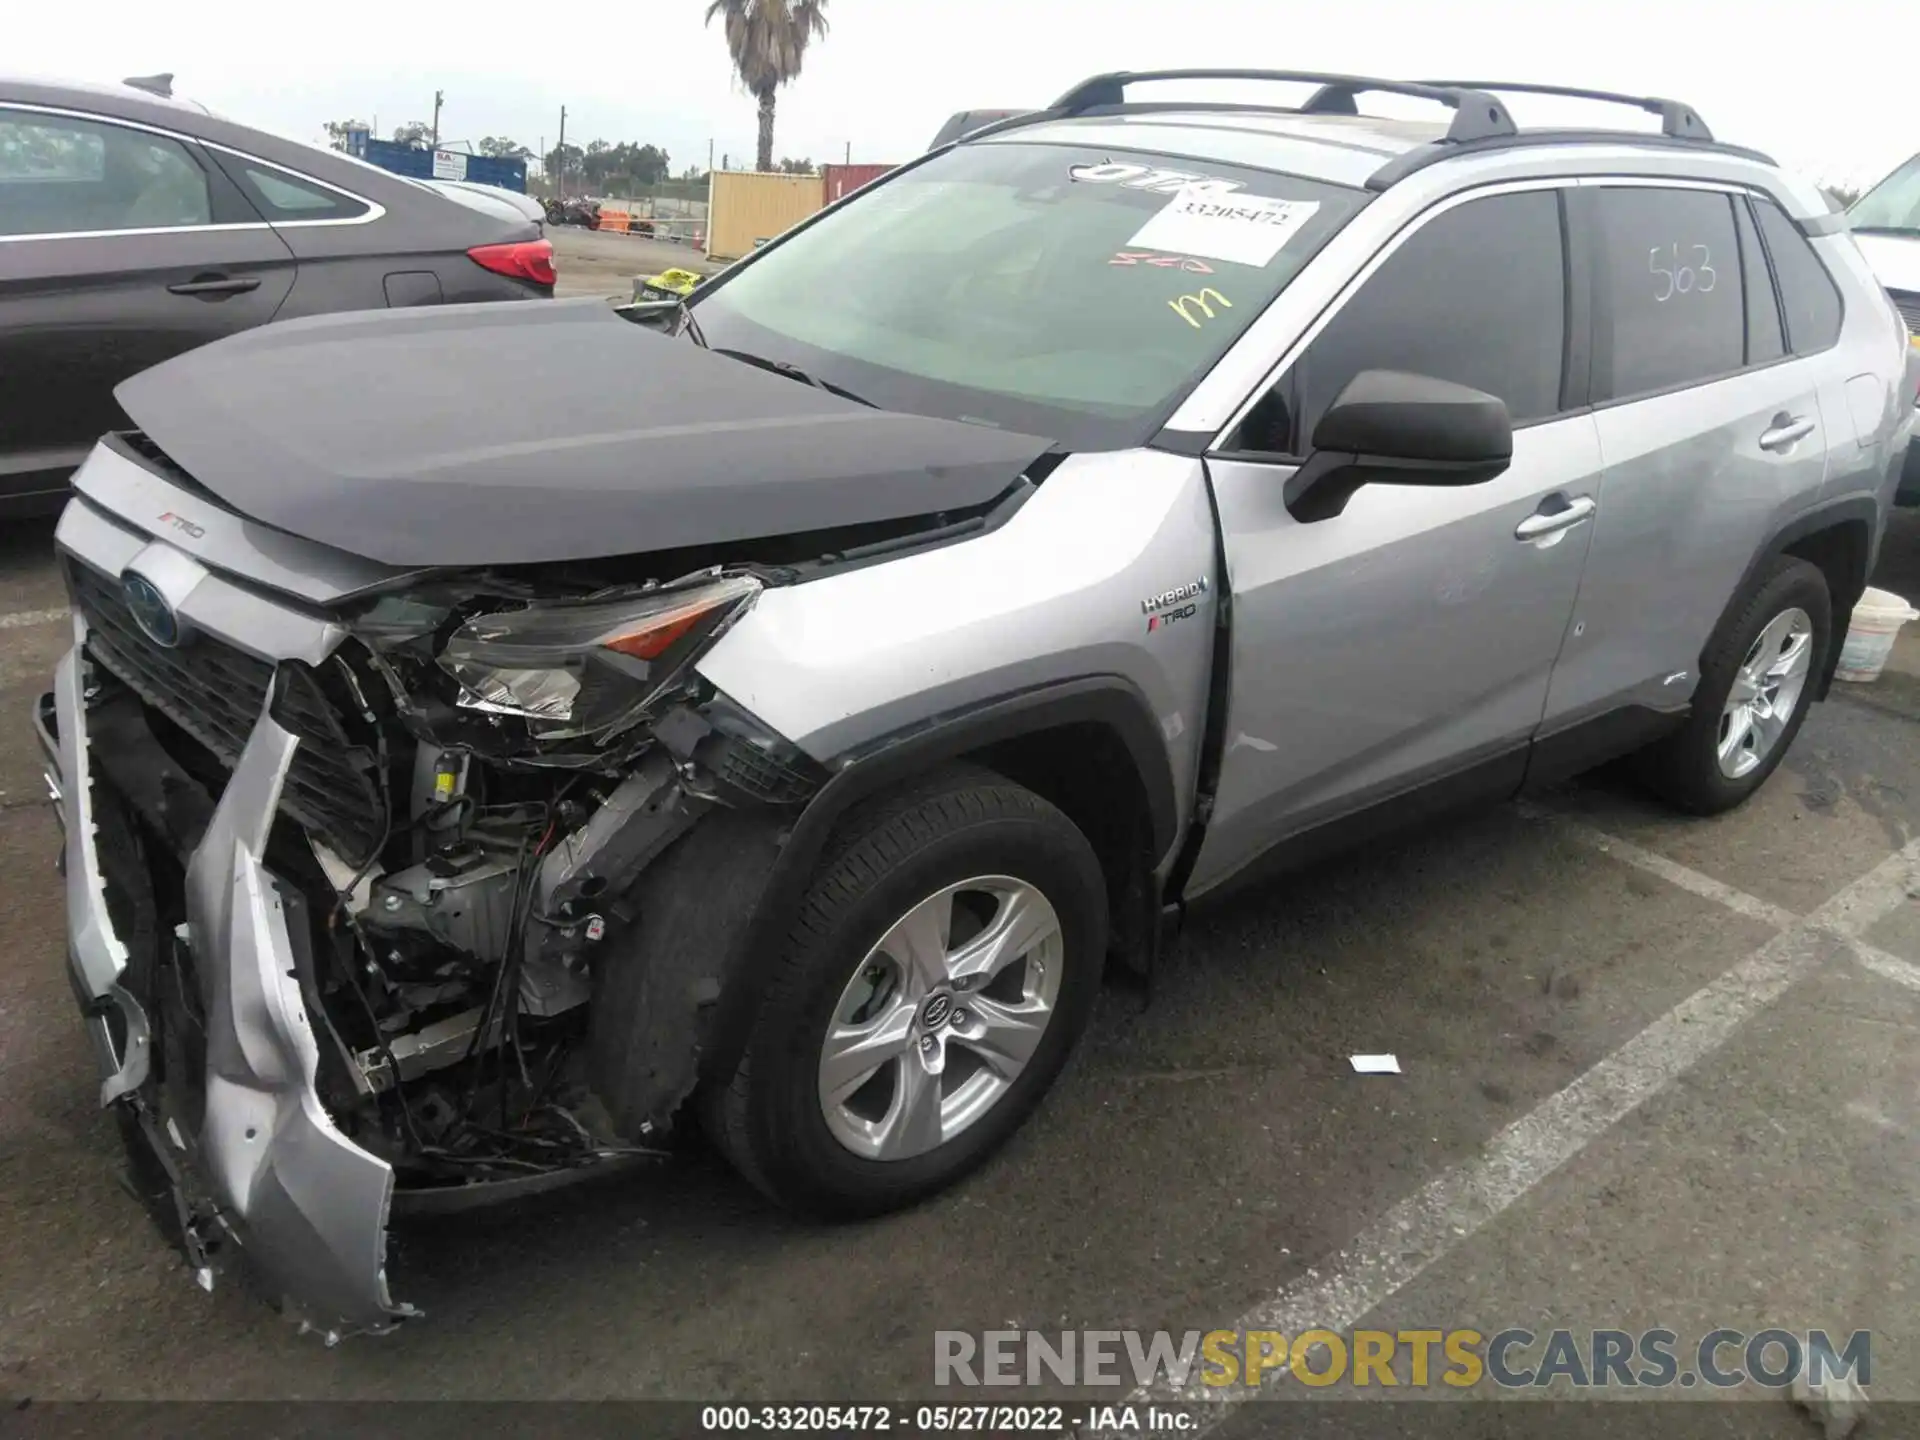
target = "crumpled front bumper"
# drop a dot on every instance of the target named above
(307, 1206)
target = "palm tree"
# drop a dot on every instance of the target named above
(769, 41)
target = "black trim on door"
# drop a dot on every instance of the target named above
(1598, 739)
(1576, 255)
(1483, 782)
(230, 205)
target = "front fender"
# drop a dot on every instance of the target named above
(1062, 591)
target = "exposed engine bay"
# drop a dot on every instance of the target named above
(558, 748)
(483, 777)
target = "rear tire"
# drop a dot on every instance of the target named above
(1757, 680)
(803, 1118)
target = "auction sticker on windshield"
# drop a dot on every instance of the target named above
(1245, 229)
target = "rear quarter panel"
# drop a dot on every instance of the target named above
(344, 266)
(1868, 387)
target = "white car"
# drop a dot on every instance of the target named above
(1886, 225)
(491, 199)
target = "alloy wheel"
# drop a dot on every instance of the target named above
(941, 1017)
(1766, 692)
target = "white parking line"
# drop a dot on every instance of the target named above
(1430, 1224)
(21, 619)
(1674, 873)
(1874, 894)
(1888, 967)
(1877, 893)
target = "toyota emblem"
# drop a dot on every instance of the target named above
(150, 609)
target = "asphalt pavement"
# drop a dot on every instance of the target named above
(588, 262)
(1657, 1071)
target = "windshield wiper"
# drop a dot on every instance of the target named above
(1885, 229)
(794, 372)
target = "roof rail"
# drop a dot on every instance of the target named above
(1419, 158)
(1680, 121)
(1476, 115)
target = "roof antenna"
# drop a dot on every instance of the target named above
(161, 85)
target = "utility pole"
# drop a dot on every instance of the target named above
(849, 152)
(709, 154)
(560, 156)
(438, 97)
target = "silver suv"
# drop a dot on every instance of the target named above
(498, 735)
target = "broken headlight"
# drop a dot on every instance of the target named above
(578, 668)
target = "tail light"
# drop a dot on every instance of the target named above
(521, 260)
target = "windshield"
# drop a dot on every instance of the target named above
(1893, 204)
(1068, 293)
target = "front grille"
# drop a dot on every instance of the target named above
(214, 691)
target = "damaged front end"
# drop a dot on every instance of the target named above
(346, 880)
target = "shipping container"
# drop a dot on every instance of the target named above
(841, 180)
(746, 208)
(419, 164)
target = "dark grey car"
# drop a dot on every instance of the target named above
(134, 226)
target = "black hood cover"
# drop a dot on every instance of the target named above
(549, 430)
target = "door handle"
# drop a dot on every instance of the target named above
(1785, 432)
(1543, 523)
(216, 285)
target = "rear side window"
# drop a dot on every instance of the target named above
(282, 196)
(1766, 341)
(1673, 310)
(1476, 296)
(65, 176)
(1807, 292)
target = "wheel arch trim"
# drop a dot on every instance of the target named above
(1830, 515)
(1111, 701)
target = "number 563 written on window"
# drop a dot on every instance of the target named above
(1698, 278)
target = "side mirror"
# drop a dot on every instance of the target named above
(1391, 428)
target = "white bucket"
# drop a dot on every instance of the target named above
(1876, 621)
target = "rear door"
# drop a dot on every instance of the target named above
(1712, 433)
(1403, 647)
(119, 247)
(341, 240)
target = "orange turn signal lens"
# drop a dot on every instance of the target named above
(651, 635)
(653, 642)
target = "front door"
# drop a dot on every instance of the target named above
(1411, 638)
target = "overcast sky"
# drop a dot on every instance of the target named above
(1827, 88)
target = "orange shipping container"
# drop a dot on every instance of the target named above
(843, 180)
(745, 206)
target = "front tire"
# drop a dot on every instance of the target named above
(1756, 683)
(942, 965)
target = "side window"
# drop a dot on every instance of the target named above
(1477, 296)
(63, 176)
(1806, 290)
(282, 196)
(1671, 310)
(1766, 341)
